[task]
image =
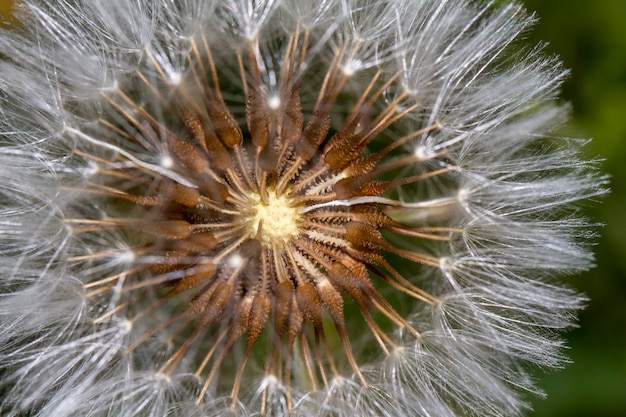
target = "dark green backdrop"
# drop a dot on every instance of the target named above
(590, 37)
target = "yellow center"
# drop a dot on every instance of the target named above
(276, 218)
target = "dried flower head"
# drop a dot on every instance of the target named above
(330, 207)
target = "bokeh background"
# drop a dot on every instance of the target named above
(590, 37)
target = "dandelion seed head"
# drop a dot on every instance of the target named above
(267, 211)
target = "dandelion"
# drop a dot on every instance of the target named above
(330, 207)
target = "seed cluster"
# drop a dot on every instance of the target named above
(266, 226)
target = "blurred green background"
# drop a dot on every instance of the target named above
(590, 37)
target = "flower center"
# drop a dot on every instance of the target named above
(268, 225)
(274, 219)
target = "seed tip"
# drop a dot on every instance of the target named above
(273, 102)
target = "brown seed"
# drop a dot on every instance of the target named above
(218, 154)
(212, 303)
(343, 278)
(346, 148)
(259, 314)
(331, 298)
(226, 127)
(361, 165)
(250, 248)
(194, 280)
(268, 158)
(292, 123)
(167, 229)
(194, 124)
(363, 235)
(198, 242)
(314, 134)
(257, 118)
(185, 196)
(309, 303)
(283, 295)
(190, 156)
(215, 191)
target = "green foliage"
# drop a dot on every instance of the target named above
(590, 37)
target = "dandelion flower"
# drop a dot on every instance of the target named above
(282, 207)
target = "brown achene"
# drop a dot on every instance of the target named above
(279, 221)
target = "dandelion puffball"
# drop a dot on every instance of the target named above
(282, 207)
